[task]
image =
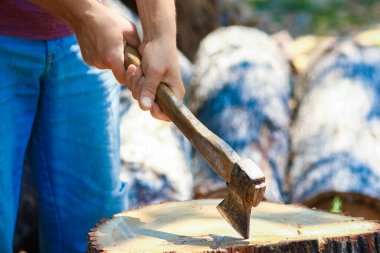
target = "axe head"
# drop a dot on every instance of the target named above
(245, 189)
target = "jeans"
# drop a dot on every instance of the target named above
(62, 115)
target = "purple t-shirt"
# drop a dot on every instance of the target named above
(19, 18)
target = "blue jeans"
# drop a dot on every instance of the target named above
(63, 115)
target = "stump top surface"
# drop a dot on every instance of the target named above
(197, 226)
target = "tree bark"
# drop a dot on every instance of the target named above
(335, 134)
(196, 226)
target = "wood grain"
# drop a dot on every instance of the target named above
(196, 226)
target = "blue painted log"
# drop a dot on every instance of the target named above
(240, 92)
(336, 134)
(155, 158)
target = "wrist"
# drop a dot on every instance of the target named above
(83, 13)
(158, 20)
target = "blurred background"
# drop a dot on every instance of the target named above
(197, 18)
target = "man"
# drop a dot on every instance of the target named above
(66, 112)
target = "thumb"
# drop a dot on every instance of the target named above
(178, 89)
(148, 91)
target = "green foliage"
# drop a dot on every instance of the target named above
(322, 16)
(336, 205)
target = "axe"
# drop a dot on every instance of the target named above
(245, 180)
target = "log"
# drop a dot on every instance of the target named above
(154, 157)
(240, 91)
(196, 226)
(336, 133)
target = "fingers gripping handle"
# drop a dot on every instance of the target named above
(217, 153)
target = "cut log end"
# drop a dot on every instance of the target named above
(196, 226)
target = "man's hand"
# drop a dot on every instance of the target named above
(102, 32)
(159, 56)
(102, 36)
(159, 64)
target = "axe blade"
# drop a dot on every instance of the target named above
(236, 214)
(245, 189)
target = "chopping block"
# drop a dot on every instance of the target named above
(196, 226)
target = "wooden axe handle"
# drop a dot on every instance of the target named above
(219, 155)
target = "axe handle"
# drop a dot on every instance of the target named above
(219, 155)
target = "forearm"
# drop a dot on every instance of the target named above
(158, 19)
(159, 56)
(72, 12)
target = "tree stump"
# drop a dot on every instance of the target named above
(196, 226)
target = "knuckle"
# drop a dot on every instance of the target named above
(99, 64)
(134, 95)
(141, 47)
(154, 70)
(89, 61)
(182, 91)
(108, 59)
(135, 79)
(150, 89)
(133, 27)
